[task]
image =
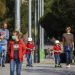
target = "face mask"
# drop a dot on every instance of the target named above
(14, 37)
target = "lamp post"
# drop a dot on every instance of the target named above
(17, 15)
(38, 52)
(41, 32)
(40, 25)
(29, 19)
(42, 28)
(35, 23)
(35, 20)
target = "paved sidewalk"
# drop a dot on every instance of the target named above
(41, 69)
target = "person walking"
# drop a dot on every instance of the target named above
(29, 50)
(57, 52)
(4, 37)
(16, 51)
(68, 43)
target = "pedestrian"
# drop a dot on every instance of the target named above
(68, 43)
(30, 46)
(57, 52)
(4, 37)
(16, 51)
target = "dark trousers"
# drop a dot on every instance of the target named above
(68, 57)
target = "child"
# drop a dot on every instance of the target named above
(29, 50)
(57, 51)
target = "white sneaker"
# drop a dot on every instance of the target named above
(68, 66)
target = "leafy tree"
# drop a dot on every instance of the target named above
(2, 9)
(24, 18)
(58, 15)
(10, 13)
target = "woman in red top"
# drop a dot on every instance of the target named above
(16, 50)
(57, 51)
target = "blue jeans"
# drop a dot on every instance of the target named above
(4, 53)
(18, 65)
(68, 57)
(29, 59)
(57, 59)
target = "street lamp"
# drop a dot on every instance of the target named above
(38, 31)
(29, 19)
(41, 32)
(17, 15)
(35, 23)
(42, 28)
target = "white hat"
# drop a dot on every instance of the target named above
(57, 41)
(29, 39)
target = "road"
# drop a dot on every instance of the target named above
(41, 69)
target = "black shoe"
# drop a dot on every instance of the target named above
(27, 65)
(0, 64)
(3, 65)
(56, 66)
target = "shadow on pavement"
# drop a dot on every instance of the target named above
(54, 71)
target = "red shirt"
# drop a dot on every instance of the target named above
(57, 49)
(30, 47)
(21, 50)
